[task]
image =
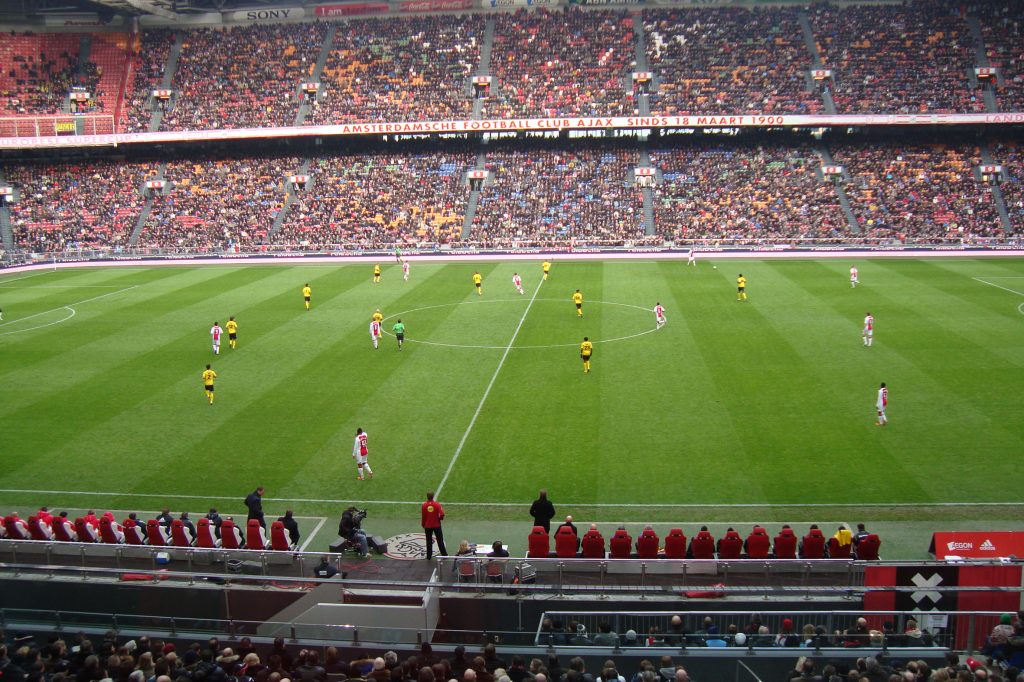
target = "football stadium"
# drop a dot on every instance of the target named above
(511, 340)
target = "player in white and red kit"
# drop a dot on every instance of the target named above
(375, 332)
(880, 405)
(405, 270)
(869, 329)
(691, 258)
(659, 315)
(359, 453)
(215, 332)
(517, 282)
(853, 277)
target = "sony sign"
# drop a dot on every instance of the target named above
(278, 14)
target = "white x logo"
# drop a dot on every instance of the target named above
(922, 582)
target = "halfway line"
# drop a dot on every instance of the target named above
(487, 392)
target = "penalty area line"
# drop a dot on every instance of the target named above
(998, 286)
(487, 392)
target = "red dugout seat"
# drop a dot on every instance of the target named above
(205, 536)
(593, 545)
(867, 548)
(156, 534)
(39, 530)
(702, 546)
(621, 544)
(730, 546)
(85, 531)
(647, 544)
(758, 544)
(133, 534)
(675, 544)
(784, 546)
(230, 535)
(111, 532)
(63, 529)
(180, 535)
(538, 543)
(279, 540)
(255, 536)
(813, 545)
(565, 543)
(837, 551)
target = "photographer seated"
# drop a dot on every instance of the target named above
(350, 530)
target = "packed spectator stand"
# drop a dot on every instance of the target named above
(729, 60)
(148, 76)
(402, 69)
(550, 63)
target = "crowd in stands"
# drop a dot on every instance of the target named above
(758, 544)
(1011, 156)
(74, 205)
(400, 69)
(729, 60)
(744, 193)
(907, 58)
(1002, 29)
(554, 196)
(379, 200)
(243, 76)
(119, 658)
(149, 73)
(38, 71)
(549, 63)
(928, 192)
(221, 204)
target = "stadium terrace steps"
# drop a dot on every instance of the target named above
(290, 194)
(997, 191)
(111, 54)
(169, 69)
(318, 70)
(146, 207)
(844, 201)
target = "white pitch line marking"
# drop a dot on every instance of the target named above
(494, 377)
(40, 326)
(998, 286)
(69, 306)
(751, 505)
(60, 286)
(312, 534)
(15, 279)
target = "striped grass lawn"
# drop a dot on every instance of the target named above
(767, 404)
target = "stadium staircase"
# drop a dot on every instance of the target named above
(997, 192)
(290, 196)
(111, 53)
(812, 48)
(484, 69)
(648, 194)
(6, 235)
(146, 208)
(318, 70)
(169, 68)
(844, 201)
(643, 101)
(981, 59)
(473, 202)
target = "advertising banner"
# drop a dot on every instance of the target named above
(434, 5)
(977, 544)
(351, 9)
(269, 15)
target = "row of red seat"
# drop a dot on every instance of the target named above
(758, 545)
(106, 530)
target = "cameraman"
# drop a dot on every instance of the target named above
(349, 528)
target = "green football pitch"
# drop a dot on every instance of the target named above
(734, 410)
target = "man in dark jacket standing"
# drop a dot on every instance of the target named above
(542, 511)
(254, 502)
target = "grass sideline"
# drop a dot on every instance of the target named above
(766, 404)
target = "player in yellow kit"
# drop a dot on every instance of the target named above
(546, 266)
(232, 327)
(208, 376)
(377, 316)
(577, 298)
(741, 288)
(478, 280)
(307, 293)
(586, 350)
(376, 273)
